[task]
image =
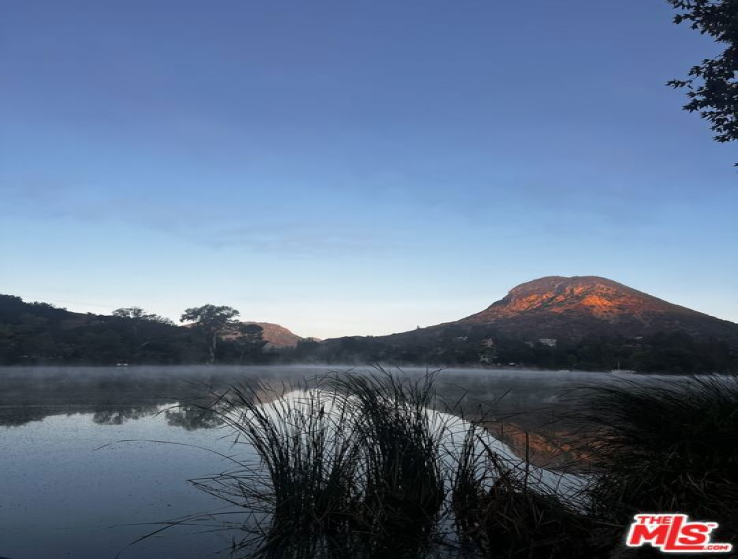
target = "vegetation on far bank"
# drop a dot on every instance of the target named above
(41, 334)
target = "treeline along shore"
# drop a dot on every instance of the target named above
(33, 333)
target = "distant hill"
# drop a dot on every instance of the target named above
(32, 333)
(14, 310)
(278, 336)
(585, 323)
(40, 333)
(579, 306)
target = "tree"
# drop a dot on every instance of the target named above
(250, 341)
(212, 321)
(712, 86)
(137, 313)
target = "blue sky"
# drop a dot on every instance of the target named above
(354, 167)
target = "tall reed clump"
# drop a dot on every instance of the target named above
(402, 479)
(506, 512)
(666, 447)
(348, 468)
(304, 488)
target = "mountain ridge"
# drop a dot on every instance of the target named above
(580, 306)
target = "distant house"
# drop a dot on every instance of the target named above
(550, 342)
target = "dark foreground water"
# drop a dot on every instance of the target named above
(91, 459)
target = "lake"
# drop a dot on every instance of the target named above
(94, 458)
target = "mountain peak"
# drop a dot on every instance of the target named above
(599, 297)
(579, 306)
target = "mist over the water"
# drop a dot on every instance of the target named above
(32, 393)
(29, 393)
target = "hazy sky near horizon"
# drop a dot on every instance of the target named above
(356, 167)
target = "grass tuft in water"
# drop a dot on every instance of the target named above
(666, 447)
(401, 477)
(304, 489)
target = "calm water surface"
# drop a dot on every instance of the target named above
(94, 458)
